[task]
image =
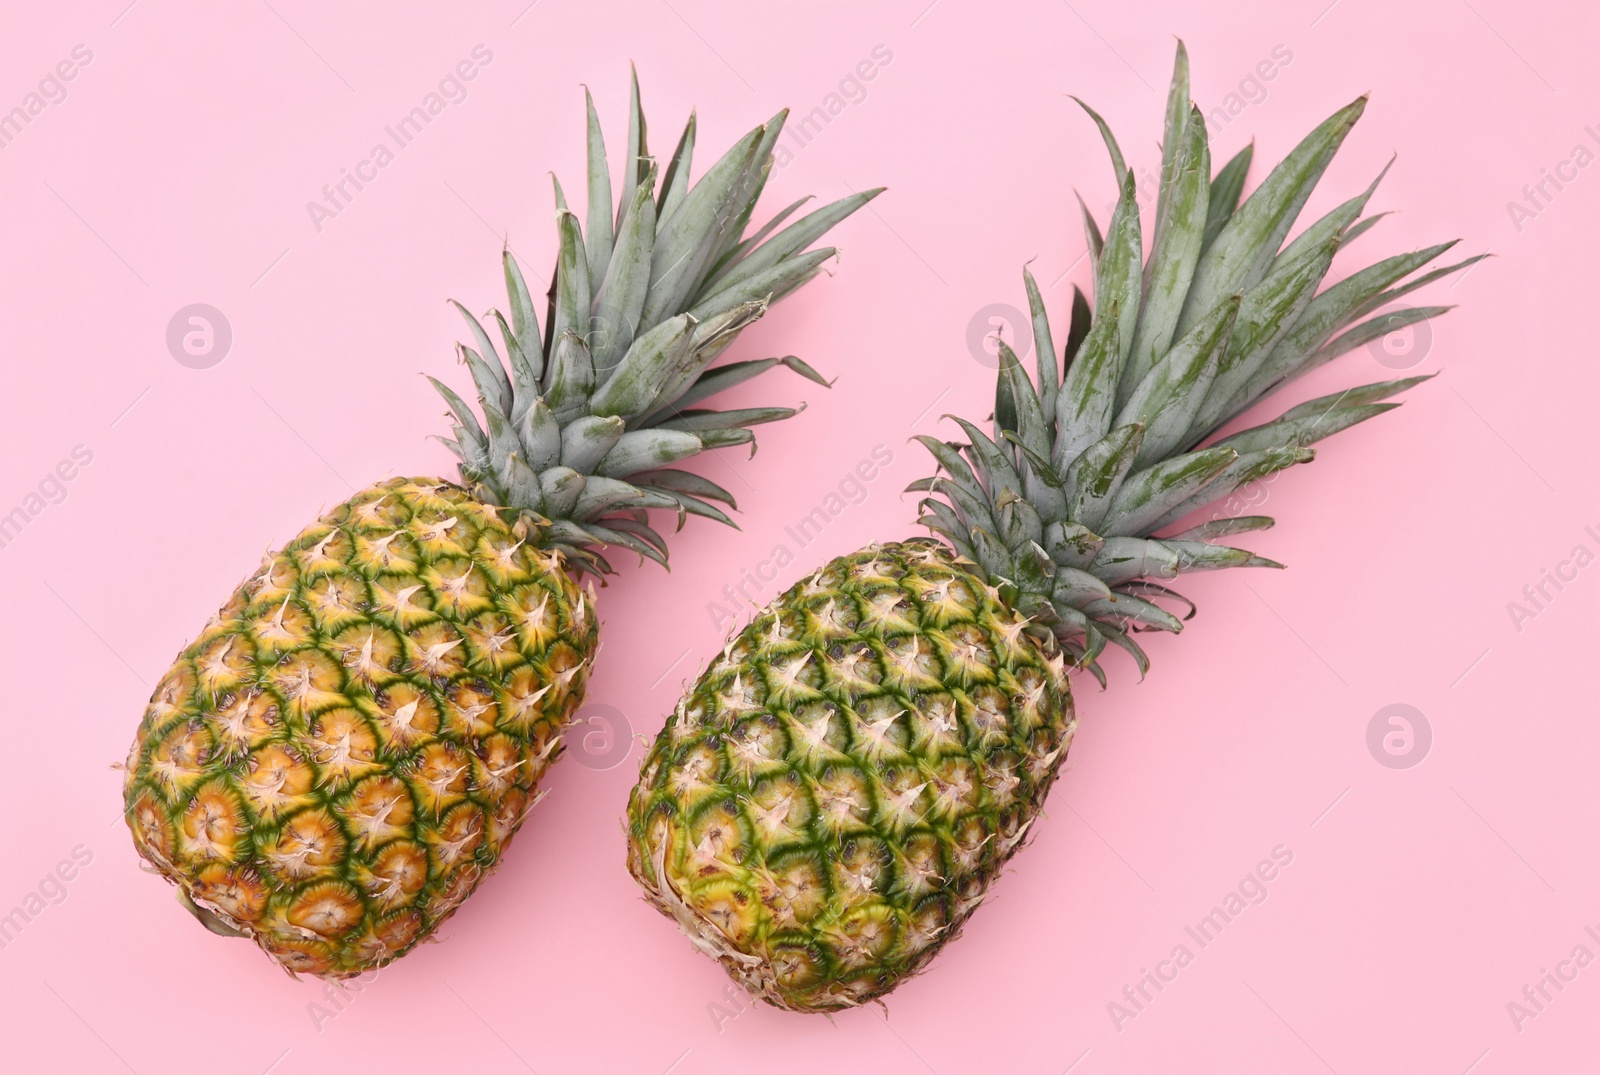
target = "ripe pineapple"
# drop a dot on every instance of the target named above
(344, 753)
(837, 791)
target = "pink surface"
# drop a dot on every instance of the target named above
(1419, 902)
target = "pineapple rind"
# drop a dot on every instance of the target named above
(345, 752)
(834, 795)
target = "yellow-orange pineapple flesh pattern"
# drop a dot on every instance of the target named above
(347, 749)
(835, 794)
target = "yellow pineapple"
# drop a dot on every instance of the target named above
(836, 792)
(346, 750)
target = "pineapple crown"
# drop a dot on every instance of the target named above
(1062, 505)
(580, 433)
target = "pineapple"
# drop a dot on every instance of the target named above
(837, 791)
(345, 752)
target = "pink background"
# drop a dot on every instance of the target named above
(1419, 902)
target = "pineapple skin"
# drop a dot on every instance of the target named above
(835, 794)
(347, 749)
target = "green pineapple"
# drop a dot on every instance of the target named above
(347, 749)
(837, 791)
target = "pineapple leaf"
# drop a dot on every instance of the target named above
(1095, 476)
(719, 378)
(1333, 224)
(524, 321)
(990, 464)
(790, 241)
(632, 388)
(601, 495)
(488, 373)
(1118, 167)
(572, 281)
(1091, 233)
(1350, 397)
(1325, 314)
(675, 182)
(707, 342)
(1287, 432)
(755, 181)
(585, 441)
(1204, 556)
(540, 436)
(1125, 608)
(1249, 467)
(1169, 396)
(1032, 425)
(458, 407)
(682, 481)
(1394, 293)
(562, 486)
(1124, 559)
(637, 168)
(503, 441)
(1148, 494)
(1180, 227)
(959, 481)
(691, 505)
(1226, 188)
(1375, 328)
(694, 421)
(1238, 524)
(734, 256)
(570, 376)
(1175, 130)
(943, 519)
(1088, 393)
(1268, 311)
(727, 438)
(524, 382)
(1077, 329)
(1361, 227)
(1248, 241)
(1118, 278)
(1044, 348)
(621, 297)
(772, 282)
(611, 536)
(1119, 638)
(685, 244)
(521, 481)
(1076, 589)
(599, 208)
(643, 531)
